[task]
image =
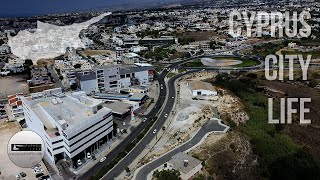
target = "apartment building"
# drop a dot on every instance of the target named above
(87, 81)
(71, 124)
(113, 77)
(39, 76)
(108, 77)
(15, 105)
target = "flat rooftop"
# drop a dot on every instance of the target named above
(178, 162)
(68, 107)
(118, 107)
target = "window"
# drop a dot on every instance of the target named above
(57, 141)
(57, 148)
(49, 152)
(113, 82)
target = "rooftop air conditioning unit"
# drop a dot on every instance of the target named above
(185, 163)
(63, 124)
(54, 101)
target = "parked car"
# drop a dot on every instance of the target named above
(22, 174)
(154, 131)
(88, 155)
(79, 163)
(145, 119)
(18, 177)
(4, 73)
(103, 159)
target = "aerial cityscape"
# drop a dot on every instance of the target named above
(160, 90)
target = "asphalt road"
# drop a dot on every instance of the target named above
(121, 147)
(209, 126)
(167, 108)
(55, 76)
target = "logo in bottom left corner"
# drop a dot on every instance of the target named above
(26, 149)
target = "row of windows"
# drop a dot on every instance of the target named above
(88, 140)
(104, 118)
(92, 132)
(57, 141)
(57, 148)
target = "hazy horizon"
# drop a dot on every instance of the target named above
(36, 7)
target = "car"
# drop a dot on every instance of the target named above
(166, 115)
(22, 174)
(103, 159)
(145, 119)
(39, 175)
(172, 97)
(88, 155)
(161, 87)
(79, 163)
(4, 73)
(154, 131)
(18, 177)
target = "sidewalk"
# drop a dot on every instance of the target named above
(137, 162)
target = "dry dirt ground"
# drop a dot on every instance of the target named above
(231, 108)
(7, 168)
(205, 35)
(13, 84)
(228, 156)
(188, 117)
(97, 52)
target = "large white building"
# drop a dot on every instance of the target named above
(199, 88)
(71, 124)
(114, 77)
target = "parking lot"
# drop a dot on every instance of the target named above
(7, 168)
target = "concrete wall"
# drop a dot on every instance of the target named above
(204, 93)
(89, 86)
(143, 77)
(125, 82)
(191, 173)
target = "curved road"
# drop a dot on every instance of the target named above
(210, 126)
(119, 168)
(136, 131)
(167, 108)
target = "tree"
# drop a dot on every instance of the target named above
(200, 177)
(61, 78)
(28, 63)
(167, 174)
(73, 87)
(127, 169)
(77, 66)
(313, 83)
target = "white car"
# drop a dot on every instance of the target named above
(172, 97)
(145, 119)
(154, 131)
(103, 159)
(88, 155)
(4, 73)
(79, 163)
(18, 177)
(166, 115)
